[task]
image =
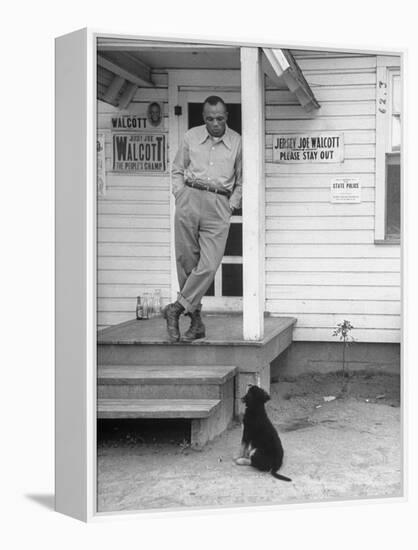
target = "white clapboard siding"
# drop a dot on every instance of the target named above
(338, 64)
(348, 278)
(320, 124)
(324, 94)
(349, 166)
(123, 221)
(322, 265)
(143, 250)
(133, 222)
(330, 320)
(314, 223)
(331, 250)
(158, 94)
(314, 195)
(150, 263)
(160, 79)
(128, 291)
(132, 208)
(319, 237)
(340, 78)
(279, 211)
(343, 265)
(336, 79)
(145, 193)
(144, 236)
(343, 307)
(343, 108)
(342, 291)
(124, 277)
(150, 182)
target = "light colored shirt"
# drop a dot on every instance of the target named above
(217, 161)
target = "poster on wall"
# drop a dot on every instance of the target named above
(324, 147)
(139, 152)
(344, 190)
(101, 164)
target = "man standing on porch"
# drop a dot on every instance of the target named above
(207, 185)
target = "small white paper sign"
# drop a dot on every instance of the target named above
(345, 190)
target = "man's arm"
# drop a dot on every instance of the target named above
(235, 198)
(180, 163)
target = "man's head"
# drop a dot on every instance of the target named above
(215, 115)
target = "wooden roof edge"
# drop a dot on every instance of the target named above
(297, 73)
(282, 65)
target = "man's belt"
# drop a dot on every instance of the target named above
(205, 187)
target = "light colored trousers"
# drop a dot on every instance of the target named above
(201, 229)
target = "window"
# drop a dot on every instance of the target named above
(388, 150)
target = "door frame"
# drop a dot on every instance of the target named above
(194, 86)
(249, 79)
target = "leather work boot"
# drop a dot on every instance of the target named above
(171, 314)
(196, 329)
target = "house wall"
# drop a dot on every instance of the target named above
(322, 265)
(133, 223)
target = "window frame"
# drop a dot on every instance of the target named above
(387, 67)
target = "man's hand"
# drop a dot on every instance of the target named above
(177, 191)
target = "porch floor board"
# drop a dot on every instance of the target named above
(221, 330)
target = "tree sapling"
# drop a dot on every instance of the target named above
(343, 331)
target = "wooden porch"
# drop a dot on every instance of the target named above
(142, 375)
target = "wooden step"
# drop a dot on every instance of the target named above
(156, 408)
(173, 374)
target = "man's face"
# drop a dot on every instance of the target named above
(215, 117)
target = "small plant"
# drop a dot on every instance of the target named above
(184, 446)
(343, 331)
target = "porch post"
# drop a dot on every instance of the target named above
(253, 223)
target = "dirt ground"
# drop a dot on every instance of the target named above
(337, 446)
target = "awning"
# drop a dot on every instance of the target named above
(280, 65)
(126, 65)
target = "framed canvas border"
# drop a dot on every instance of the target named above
(75, 273)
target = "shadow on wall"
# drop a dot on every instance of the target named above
(322, 357)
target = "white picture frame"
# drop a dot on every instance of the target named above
(76, 275)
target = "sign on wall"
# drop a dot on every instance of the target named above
(345, 190)
(151, 119)
(101, 164)
(139, 152)
(324, 147)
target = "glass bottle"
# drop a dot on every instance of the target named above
(157, 302)
(139, 308)
(146, 305)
